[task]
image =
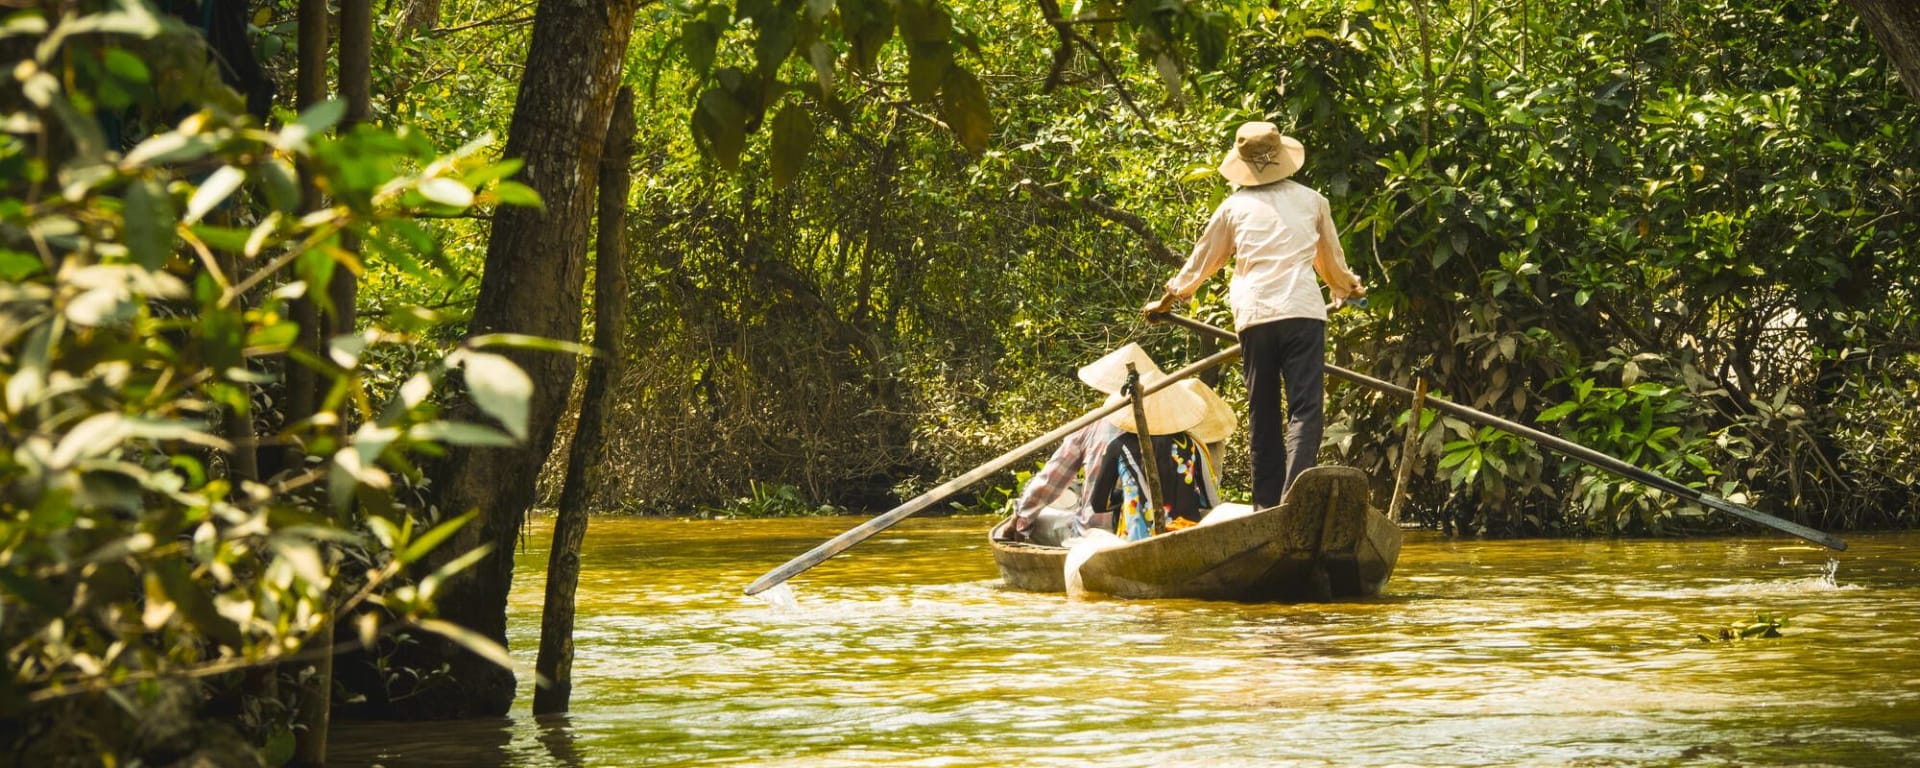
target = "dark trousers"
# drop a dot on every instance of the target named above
(1287, 356)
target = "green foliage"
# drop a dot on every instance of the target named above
(145, 329)
(765, 54)
(765, 500)
(1675, 237)
(1764, 625)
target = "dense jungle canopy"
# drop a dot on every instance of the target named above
(291, 328)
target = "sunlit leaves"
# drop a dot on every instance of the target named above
(719, 126)
(500, 388)
(212, 192)
(314, 121)
(792, 138)
(698, 38)
(964, 104)
(143, 291)
(150, 222)
(868, 24)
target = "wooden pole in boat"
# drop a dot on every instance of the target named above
(1408, 451)
(1565, 447)
(865, 530)
(1149, 458)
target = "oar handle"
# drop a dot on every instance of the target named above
(863, 531)
(1568, 448)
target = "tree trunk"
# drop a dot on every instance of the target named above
(609, 328)
(419, 16)
(310, 88)
(310, 744)
(1896, 27)
(534, 271)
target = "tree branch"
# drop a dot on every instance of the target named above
(1132, 221)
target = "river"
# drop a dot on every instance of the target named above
(906, 651)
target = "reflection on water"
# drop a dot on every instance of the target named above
(906, 651)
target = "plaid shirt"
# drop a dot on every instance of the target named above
(1085, 448)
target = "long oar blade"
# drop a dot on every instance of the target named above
(1563, 446)
(865, 530)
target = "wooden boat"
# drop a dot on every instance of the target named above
(1322, 543)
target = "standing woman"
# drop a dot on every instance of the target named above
(1279, 233)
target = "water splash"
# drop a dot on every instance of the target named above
(780, 596)
(1831, 573)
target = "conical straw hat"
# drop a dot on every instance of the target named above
(1109, 373)
(1172, 410)
(1218, 420)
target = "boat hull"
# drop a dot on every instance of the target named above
(1323, 543)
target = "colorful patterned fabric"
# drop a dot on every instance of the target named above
(1119, 484)
(1085, 448)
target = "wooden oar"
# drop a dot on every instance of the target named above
(863, 531)
(1156, 517)
(1575, 450)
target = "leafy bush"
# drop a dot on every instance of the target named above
(146, 325)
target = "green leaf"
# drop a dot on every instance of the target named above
(526, 341)
(222, 238)
(150, 223)
(92, 437)
(17, 265)
(445, 191)
(479, 177)
(282, 185)
(698, 39)
(500, 388)
(33, 592)
(924, 21)
(460, 433)
(792, 140)
(384, 531)
(304, 558)
(965, 107)
(419, 547)
(274, 338)
(822, 56)
(212, 192)
(927, 65)
(316, 120)
(195, 605)
(516, 193)
(868, 25)
(721, 123)
(125, 66)
(431, 584)
(469, 639)
(1558, 412)
(170, 147)
(775, 42)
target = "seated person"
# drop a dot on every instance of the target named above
(1035, 517)
(1118, 487)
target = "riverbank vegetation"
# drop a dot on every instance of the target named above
(257, 369)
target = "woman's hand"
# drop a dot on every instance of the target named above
(1159, 306)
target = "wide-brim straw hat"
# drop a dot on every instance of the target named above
(1109, 373)
(1169, 411)
(1218, 420)
(1260, 155)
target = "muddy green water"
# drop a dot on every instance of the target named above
(906, 651)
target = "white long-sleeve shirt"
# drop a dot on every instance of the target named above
(1279, 235)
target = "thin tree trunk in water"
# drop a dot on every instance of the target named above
(356, 85)
(555, 662)
(303, 396)
(310, 89)
(534, 273)
(1896, 27)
